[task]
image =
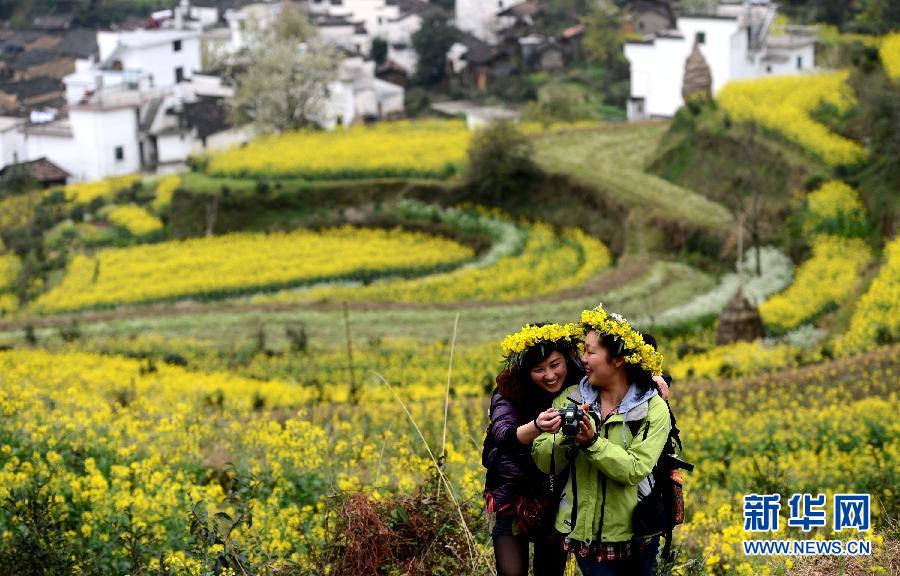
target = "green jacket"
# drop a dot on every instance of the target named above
(606, 474)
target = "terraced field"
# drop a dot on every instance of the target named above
(613, 158)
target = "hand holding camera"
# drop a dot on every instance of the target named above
(549, 421)
(576, 422)
(586, 430)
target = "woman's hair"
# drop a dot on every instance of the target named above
(515, 383)
(643, 379)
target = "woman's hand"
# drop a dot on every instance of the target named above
(585, 427)
(549, 421)
(662, 386)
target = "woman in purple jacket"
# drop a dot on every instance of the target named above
(540, 361)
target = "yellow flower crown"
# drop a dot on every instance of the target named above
(634, 348)
(516, 345)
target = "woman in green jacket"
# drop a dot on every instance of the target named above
(618, 396)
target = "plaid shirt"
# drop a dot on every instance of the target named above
(603, 551)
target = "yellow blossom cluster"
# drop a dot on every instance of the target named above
(821, 283)
(164, 191)
(85, 192)
(9, 270)
(890, 55)
(514, 345)
(388, 149)
(135, 219)
(547, 264)
(835, 208)
(641, 353)
(244, 262)
(737, 359)
(17, 210)
(784, 104)
(876, 318)
(8, 302)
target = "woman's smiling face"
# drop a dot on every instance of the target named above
(550, 373)
(598, 366)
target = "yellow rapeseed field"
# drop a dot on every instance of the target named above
(821, 283)
(405, 148)
(548, 264)
(9, 270)
(876, 318)
(426, 148)
(135, 219)
(85, 192)
(784, 104)
(835, 208)
(890, 55)
(126, 448)
(164, 191)
(737, 359)
(243, 262)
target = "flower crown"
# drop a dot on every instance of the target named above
(631, 343)
(515, 346)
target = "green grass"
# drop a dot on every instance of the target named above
(614, 159)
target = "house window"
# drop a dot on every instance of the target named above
(799, 62)
(179, 75)
(640, 26)
(768, 69)
(120, 153)
(700, 38)
(176, 46)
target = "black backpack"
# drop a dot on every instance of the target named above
(659, 511)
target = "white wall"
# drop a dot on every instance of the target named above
(98, 132)
(656, 74)
(12, 146)
(173, 147)
(61, 150)
(222, 140)
(390, 98)
(807, 54)
(369, 12)
(161, 60)
(401, 33)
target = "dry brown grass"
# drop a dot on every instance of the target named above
(885, 563)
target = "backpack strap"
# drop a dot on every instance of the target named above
(635, 427)
(667, 555)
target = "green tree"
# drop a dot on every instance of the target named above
(431, 43)
(501, 168)
(603, 43)
(603, 36)
(876, 16)
(379, 51)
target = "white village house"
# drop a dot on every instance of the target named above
(142, 104)
(738, 43)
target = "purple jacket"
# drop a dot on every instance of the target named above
(511, 471)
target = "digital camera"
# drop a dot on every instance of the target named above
(571, 417)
